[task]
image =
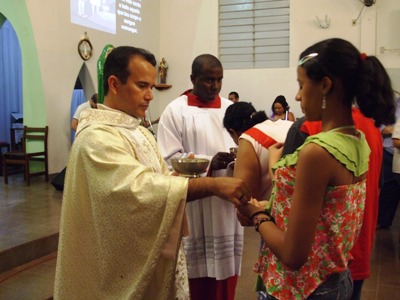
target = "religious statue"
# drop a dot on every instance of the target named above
(162, 71)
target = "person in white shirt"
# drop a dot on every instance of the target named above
(91, 103)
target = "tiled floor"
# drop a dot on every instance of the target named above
(28, 213)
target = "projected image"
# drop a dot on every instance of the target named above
(107, 15)
(96, 14)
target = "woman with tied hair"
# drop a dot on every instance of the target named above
(254, 133)
(319, 192)
(280, 109)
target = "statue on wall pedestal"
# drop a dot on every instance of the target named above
(162, 71)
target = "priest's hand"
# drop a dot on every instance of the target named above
(231, 189)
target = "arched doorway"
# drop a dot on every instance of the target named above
(83, 90)
(11, 112)
(34, 110)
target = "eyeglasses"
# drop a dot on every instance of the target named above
(307, 58)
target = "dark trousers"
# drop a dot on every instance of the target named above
(337, 286)
(357, 287)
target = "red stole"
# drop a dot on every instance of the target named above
(194, 100)
(265, 140)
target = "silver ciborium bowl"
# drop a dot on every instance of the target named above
(190, 167)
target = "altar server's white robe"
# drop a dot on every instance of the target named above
(215, 242)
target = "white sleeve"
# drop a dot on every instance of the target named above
(169, 134)
(396, 130)
(79, 109)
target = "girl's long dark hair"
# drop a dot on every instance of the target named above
(365, 80)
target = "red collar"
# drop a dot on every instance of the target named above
(194, 100)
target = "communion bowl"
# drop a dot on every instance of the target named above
(190, 167)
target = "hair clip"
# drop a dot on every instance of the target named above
(307, 58)
(363, 56)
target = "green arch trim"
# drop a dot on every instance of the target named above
(16, 12)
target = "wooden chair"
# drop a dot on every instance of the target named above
(16, 145)
(24, 157)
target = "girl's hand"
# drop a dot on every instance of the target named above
(275, 153)
(250, 208)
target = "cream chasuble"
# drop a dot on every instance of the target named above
(121, 217)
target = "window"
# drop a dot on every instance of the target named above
(254, 33)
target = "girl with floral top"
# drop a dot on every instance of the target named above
(319, 192)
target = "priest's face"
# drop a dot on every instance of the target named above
(135, 95)
(208, 83)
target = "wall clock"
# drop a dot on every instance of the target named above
(85, 49)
